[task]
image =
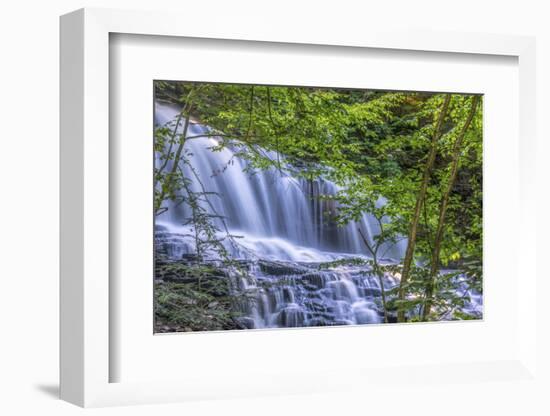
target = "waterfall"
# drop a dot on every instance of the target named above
(285, 233)
(265, 204)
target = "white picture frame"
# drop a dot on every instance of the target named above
(86, 356)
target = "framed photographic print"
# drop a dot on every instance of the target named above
(313, 210)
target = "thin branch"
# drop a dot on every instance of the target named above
(174, 132)
(275, 128)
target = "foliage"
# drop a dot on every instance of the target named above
(182, 308)
(192, 297)
(374, 145)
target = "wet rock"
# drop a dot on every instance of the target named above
(317, 305)
(313, 280)
(280, 269)
(291, 317)
(372, 292)
(245, 323)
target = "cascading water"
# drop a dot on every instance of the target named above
(285, 235)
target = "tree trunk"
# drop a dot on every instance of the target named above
(418, 207)
(457, 148)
